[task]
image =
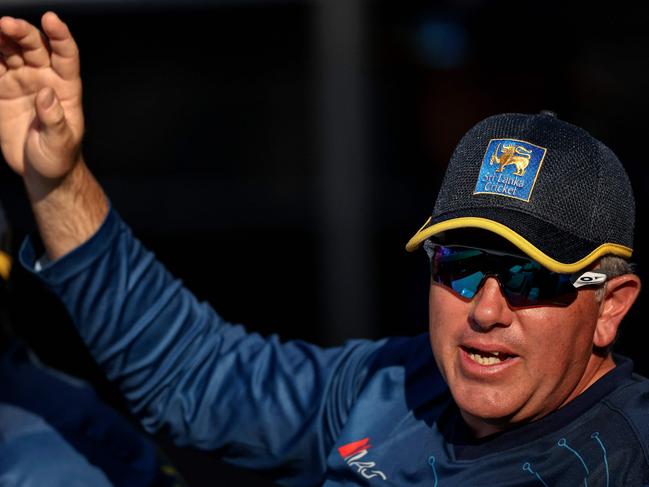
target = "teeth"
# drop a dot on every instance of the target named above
(485, 360)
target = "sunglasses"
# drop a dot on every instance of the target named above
(523, 281)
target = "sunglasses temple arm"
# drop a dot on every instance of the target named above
(588, 279)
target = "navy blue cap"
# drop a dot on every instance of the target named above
(549, 187)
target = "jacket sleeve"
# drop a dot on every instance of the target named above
(272, 406)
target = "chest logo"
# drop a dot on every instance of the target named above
(353, 453)
(510, 168)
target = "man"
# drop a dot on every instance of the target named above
(514, 385)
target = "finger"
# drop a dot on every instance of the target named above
(3, 66)
(29, 39)
(65, 53)
(10, 52)
(54, 126)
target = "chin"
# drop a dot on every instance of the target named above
(493, 407)
(493, 413)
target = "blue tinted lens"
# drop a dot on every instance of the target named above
(523, 281)
(468, 286)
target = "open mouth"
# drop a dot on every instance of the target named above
(484, 357)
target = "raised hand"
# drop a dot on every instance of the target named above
(41, 127)
(41, 116)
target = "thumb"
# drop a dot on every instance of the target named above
(52, 155)
(51, 115)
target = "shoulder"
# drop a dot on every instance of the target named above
(406, 366)
(632, 400)
(407, 352)
(631, 394)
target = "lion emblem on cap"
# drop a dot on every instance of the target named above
(510, 154)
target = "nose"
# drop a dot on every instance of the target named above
(489, 308)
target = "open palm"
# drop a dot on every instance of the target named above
(41, 116)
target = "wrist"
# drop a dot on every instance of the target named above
(68, 210)
(40, 187)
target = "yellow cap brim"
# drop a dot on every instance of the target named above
(427, 231)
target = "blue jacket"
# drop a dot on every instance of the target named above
(370, 413)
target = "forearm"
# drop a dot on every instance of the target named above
(67, 211)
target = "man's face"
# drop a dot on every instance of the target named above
(506, 365)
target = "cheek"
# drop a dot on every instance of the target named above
(447, 318)
(440, 315)
(563, 335)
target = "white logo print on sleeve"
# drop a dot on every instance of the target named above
(353, 452)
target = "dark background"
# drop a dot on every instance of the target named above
(278, 155)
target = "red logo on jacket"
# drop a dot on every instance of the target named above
(352, 454)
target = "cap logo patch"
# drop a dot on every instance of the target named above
(510, 168)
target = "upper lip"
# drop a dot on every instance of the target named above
(488, 347)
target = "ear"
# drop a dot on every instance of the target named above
(621, 292)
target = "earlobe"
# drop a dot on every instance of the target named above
(621, 292)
